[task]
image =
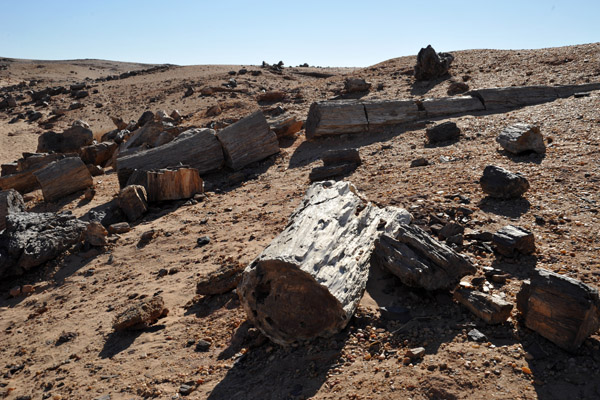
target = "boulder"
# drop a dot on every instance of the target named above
(133, 201)
(68, 141)
(500, 183)
(31, 239)
(431, 65)
(443, 132)
(98, 154)
(519, 138)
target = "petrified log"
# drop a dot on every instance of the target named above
(286, 126)
(335, 118)
(419, 260)
(492, 309)
(343, 156)
(561, 309)
(68, 141)
(310, 279)
(63, 177)
(9, 169)
(165, 184)
(98, 154)
(247, 141)
(451, 105)
(10, 202)
(514, 97)
(196, 148)
(150, 135)
(23, 180)
(382, 113)
(31, 239)
(133, 201)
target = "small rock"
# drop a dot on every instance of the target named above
(202, 346)
(443, 132)
(203, 241)
(133, 201)
(271, 96)
(162, 272)
(476, 336)
(185, 389)
(419, 162)
(415, 353)
(213, 111)
(141, 315)
(457, 88)
(519, 138)
(120, 227)
(89, 194)
(223, 280)
(356, 85)
(147, 236)
(95, 234)
(451, 229)
(65, 337)
(501, 183)
(188, 92)
(27, 289)
(147, 116)
(15, 291)
(511, 240)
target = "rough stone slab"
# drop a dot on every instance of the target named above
(521, 137)
(343, 156)
(490, 308)
(133, 202)
(248, 140)
(309, 280)
(391, 112)
(561, 309)
(98, 154)
(511, 240)
(513, 97)
(503, 184)
(141, 315)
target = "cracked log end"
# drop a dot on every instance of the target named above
(288, 304)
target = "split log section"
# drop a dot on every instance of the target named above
(310, 279)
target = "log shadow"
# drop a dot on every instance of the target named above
(514, 208)
(58, 205)
(519, 267)
(226, 180)
(120, 341)
(526, 157)
(419, 88)
(289, 372)
(204, 306)
(288, 141)
(445, 143)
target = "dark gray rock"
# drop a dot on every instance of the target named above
(443, 132)
(419, 162)
(31, 239)
(146, 117)
(70, 140)
(11, 202)
(520, 137)
(511, 240)
(432, 65)
(451, 229)
(501, 183)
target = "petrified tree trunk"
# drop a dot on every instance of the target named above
(196, 148)
(61, 178)
(419, 260)
(177, 184)
(310, 279)
(98, 154)
(10, 202)
(248, 140)
(23, 180)
(561, 309)
(335, 118)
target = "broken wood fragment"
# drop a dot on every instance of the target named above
(173, 184)
(420, 260)
(492, 309)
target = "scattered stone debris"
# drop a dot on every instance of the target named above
(503, 184)
(141, 315)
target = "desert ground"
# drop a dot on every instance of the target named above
(58, 341)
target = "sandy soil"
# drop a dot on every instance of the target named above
(81, 293)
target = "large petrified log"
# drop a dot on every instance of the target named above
(196, 148)
(64, 177)
(23, 179)
(310, 279)
(338, 117)
(173, 184)
(10, 202)
(98, 154)
(248, 140)
(561, 309)
(420, 260)
(31, 239)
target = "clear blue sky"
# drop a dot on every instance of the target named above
(325, 33)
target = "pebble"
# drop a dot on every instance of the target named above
(185, 389)
(202, 346)
(16, 291)
(476, 336)
(203, 241)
